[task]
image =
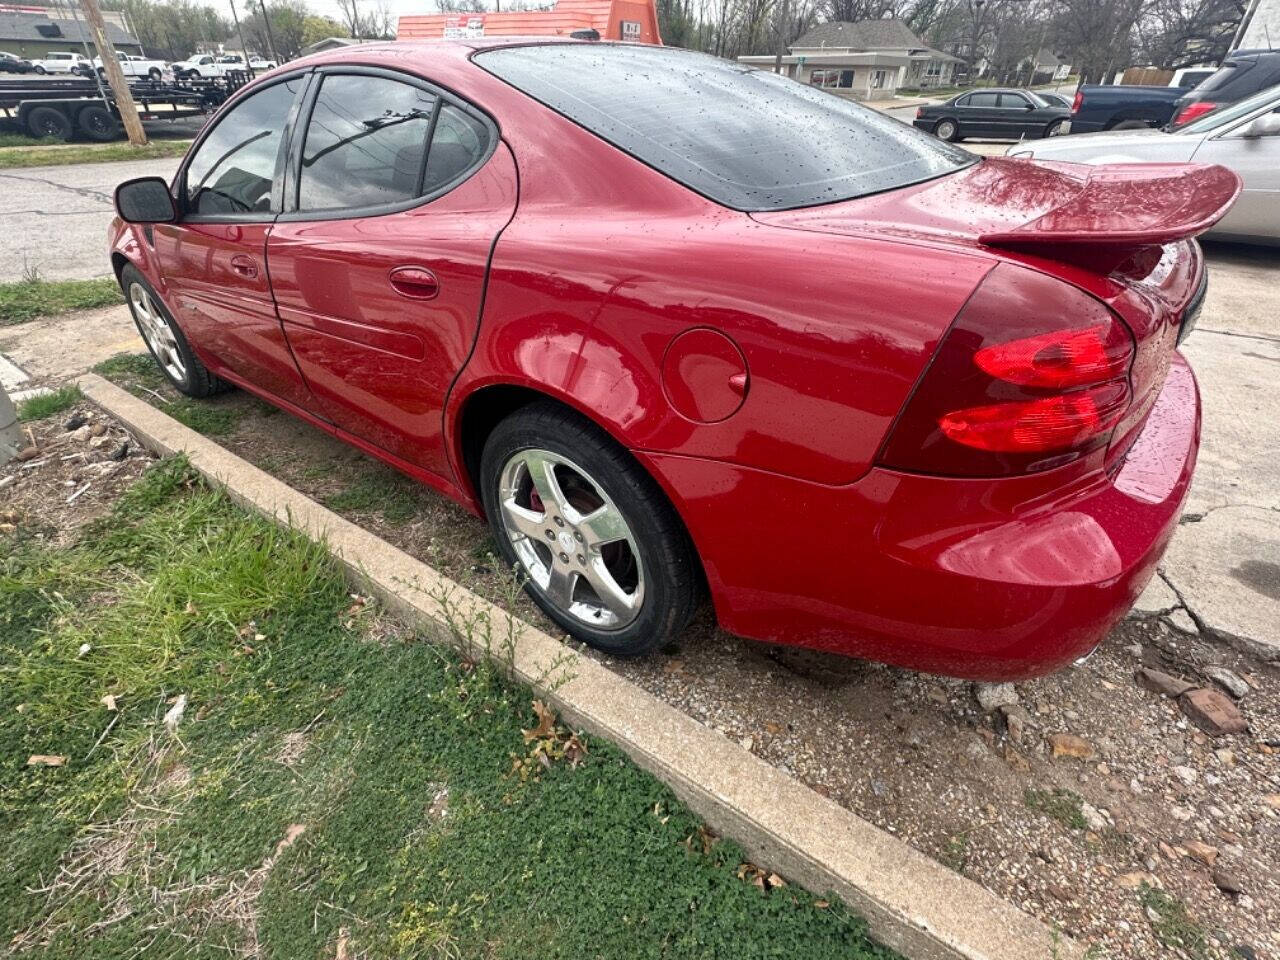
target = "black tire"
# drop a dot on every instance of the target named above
(198, 381)
(1130, 125)
(49, 123)
(1055, 129)
(669, 566)
(155, 74)
(98, 123)
(41, 70)
(947, 129)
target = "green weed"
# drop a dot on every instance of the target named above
(31, 298)
(1059, 804)
(47, 404)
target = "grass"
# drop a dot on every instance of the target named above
(1059, 804)
(33, 297)
(47, 404)
(43, 154)
(1172, 924)
(138, 373)
(334, 786)
(382, 491)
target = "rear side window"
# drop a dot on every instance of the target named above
(747, 139)
(372, 141)
(983, 100)
(366, 143)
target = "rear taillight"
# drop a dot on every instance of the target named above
(1193, 111)
(919, 112)
(1033, 374)
(1075, 103)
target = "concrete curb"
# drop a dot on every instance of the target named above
(912, 903)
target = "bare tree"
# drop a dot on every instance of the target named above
(1179, 33)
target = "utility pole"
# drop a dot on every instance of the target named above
(115, 76)
(266, 20)
(244, 49)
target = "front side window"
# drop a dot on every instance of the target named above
(233, 171)
(747, 139)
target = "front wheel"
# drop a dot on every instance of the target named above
(41, 70)
(154, 74)
(601, 550)
(946, 130)
(165, 339)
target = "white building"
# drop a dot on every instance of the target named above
(867, 60)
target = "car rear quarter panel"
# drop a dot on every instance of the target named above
(607, 261)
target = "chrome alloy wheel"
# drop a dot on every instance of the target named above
(571, 539)
(157, 332)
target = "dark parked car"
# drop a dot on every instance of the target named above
(1241, 75)
(1123, 107)
(9, 63)
(999, 114)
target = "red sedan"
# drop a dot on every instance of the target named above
(677, 327)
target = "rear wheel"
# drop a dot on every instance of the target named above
(49, 123)
(946, 130)
(165, 339)
(154, 73)
(1056, 129)
(98, 123)
(601, 549)
(41, 70)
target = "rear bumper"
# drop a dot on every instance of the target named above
(986, 579)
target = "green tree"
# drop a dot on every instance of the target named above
(316, 28)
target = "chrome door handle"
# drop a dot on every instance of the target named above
(245, 266)
(417, 283)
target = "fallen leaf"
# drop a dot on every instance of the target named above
(45, 760)
(109, 701)
(174, 716)
(776, 881)
(546, 723)
(773, 727)
(574, 750)
(190, 609)
(344, 937)
(821, 904)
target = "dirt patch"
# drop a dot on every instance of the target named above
(1080, 843)
(71, 477)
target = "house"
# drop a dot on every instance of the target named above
(32, 32)
(1045, 67)
(634, 20)
(866, 60)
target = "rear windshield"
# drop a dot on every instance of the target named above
(1228, 72)
(747, 139)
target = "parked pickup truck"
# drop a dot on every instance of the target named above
(135, 66)
(1123, 107)
(204, 66)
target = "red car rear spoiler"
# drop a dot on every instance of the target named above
(1123, 207)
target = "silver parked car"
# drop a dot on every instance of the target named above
(1244, 137)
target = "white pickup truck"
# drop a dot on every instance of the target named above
(209, 65)
(135, 66)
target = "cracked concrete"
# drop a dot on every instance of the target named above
(72, 246)
(1223, 565)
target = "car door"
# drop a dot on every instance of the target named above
(978, 115)
(379, 262)
(1257, 161)
(1015, 117)
(213, 258)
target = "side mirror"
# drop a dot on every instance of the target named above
(145, 200)
(1267, 125)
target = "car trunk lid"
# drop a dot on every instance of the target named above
(1122, 233)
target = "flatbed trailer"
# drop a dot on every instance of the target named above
(64, 108)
